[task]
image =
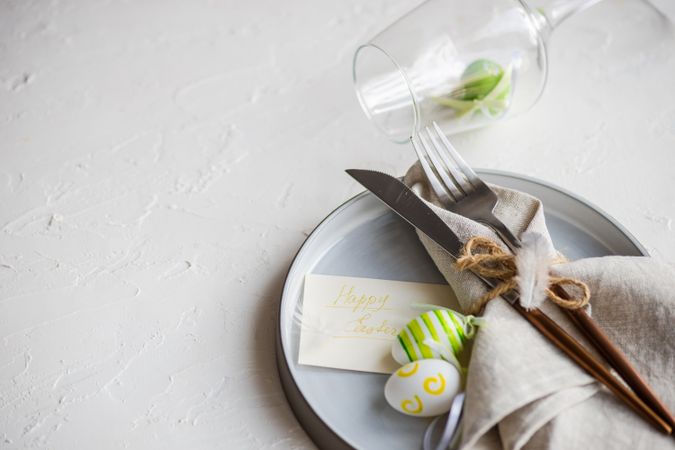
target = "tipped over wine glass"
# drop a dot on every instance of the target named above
(461, 63)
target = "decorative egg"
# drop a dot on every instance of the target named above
(435, 334)
(423, 388)
(479, 79)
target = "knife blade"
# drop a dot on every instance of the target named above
(404, 202)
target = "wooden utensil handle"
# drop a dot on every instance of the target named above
(616, 358)
(587, 361)
(620, 362)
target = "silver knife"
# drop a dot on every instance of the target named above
(404, 202)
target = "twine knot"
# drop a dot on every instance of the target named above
(486, 258)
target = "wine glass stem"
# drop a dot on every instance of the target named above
(556, 11)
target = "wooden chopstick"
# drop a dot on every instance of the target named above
(617, 359)
(578, 353)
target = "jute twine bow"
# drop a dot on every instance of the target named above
(485, 258)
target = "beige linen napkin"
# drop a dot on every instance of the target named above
(522, 392)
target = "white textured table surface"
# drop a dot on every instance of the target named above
(162, 161)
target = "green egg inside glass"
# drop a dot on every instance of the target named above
(479, 79)
(484, 88)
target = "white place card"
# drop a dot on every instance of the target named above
(351, 323)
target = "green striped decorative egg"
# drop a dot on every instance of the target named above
(435, 334)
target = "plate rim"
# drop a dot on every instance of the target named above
(638, 245)
(296, 399)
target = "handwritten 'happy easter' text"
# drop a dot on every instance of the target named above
(347, 298)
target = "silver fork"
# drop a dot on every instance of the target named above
(461, 191)
(456, 185)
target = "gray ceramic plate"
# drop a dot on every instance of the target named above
(343, 409)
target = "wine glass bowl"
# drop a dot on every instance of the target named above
(461, 63)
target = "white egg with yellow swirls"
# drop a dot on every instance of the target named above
(423, 388)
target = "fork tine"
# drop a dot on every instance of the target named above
(463, 166)
(450, 174)
(443, 194)
(449, 184)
